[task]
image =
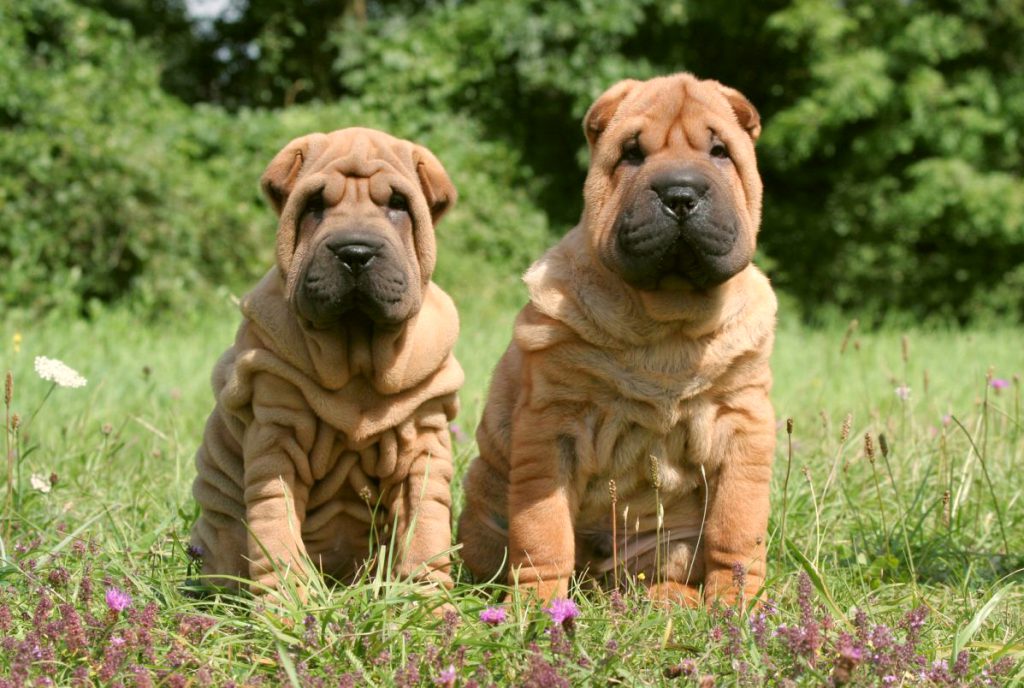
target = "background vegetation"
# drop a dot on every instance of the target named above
(131, 138)
(133, 135)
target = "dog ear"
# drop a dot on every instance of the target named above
(279, 178)
(601, 112)
(434, 181)
(746, 113)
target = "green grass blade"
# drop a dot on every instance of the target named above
(965, 634)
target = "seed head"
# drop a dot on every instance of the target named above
(844, 432)
(905, 348)
(15, 421)
(8, 389)
(789, 426)
(365, 494)
(869, 447)
(613, 491)
(945, 508)
(883, 444)
(655, 472)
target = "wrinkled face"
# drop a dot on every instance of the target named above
(355, 238)
(673, 194)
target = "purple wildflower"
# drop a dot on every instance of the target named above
(962, 664)
(998, 383)
(118, 600)
(451, 623)
(458, 434)
(446, 678)
(759, 627)
(541, 674)
(58, 577)
(562, 611)
(617, 603)
(493, 615)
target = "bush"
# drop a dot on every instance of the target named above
(114, 190)
(896, 170)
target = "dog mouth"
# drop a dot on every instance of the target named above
(655, 246)
(351, 280)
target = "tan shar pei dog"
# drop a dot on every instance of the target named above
(333, 404)
(642, 358)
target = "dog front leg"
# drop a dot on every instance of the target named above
(273, 513)
(424, 525)
(276, 448)
(542, 547)
(737, 523)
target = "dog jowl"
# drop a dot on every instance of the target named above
(642, 360)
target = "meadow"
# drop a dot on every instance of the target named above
(896, 539)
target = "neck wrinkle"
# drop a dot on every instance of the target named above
(569, 286)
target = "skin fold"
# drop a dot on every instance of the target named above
(642, 358)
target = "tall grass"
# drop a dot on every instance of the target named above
(898, 565)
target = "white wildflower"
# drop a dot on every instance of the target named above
(903, 392)
(40, 483)
(57, 371)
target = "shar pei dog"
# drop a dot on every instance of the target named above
(628, 425)
(332, 406)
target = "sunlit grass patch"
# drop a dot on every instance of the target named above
(900, 561)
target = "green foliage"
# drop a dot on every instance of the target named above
(898, 162)
(101, 197)
(113, 189)
(892, 148)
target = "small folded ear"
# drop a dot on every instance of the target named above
(601, 112)
(279, 178)
(746, 113)
(434, 181)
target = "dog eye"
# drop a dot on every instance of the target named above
(398, 202)
(718, 150)
(314, 206)
(632, 153)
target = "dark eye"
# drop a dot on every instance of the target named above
(632, 153)
(718, 150)
(398, 202)
(315, 206)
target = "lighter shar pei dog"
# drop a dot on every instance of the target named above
(333, 404)
(638, 375)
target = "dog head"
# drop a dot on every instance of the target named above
(673, 191)
(357, 210)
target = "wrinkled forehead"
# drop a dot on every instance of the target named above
(668, 108)
(384, 162)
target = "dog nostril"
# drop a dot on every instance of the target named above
(354, 256)
(681, 200)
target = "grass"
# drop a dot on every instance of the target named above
(891, 565)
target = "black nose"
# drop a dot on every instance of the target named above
(680, 192)
(355, 257)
